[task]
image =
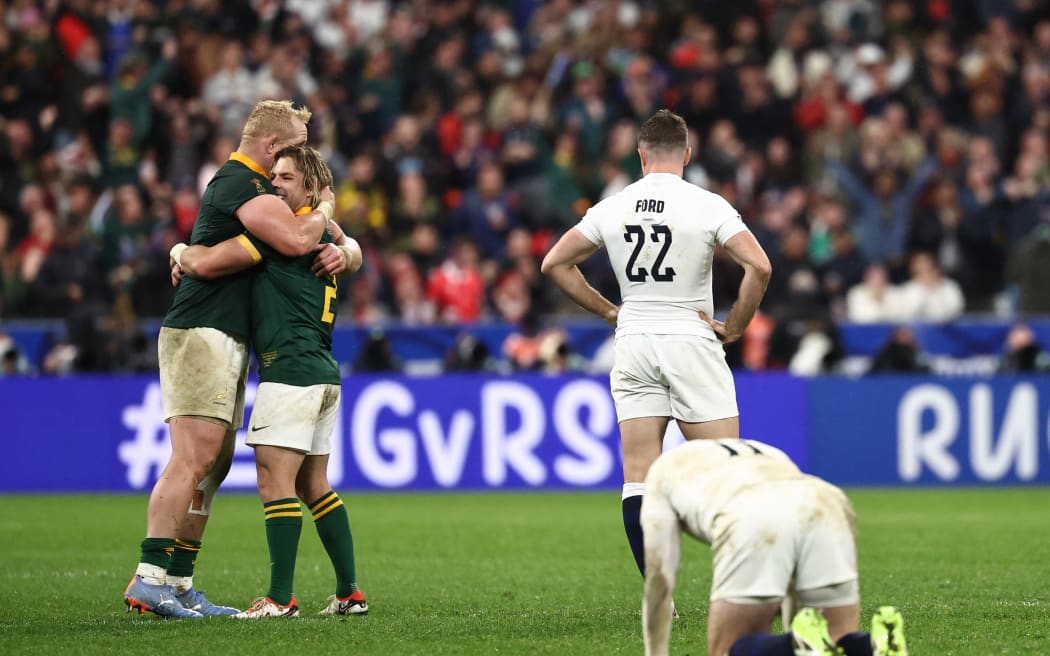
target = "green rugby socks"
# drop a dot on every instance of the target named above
(333, 527)
(284, 523)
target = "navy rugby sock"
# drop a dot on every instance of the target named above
(856, 644)
(763, 644)
(632, 509)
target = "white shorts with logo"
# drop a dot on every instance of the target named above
(294, 417)
(202, 374)
(802, 528)
(680, 376)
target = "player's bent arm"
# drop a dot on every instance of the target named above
(349, 246)
(343, 255)
(560, 266)
(222, 259)
(748, 253)
(662, 555)
(268, 217)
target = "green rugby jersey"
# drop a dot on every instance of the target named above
(293, 312)
(223, 303)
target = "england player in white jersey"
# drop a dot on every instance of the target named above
(660, 234)
(772, 529)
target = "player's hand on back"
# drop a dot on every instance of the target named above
(720, 329)
(329, 261)
(327, 195)
(176, 273)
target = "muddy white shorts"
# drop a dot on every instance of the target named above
(293, 417)
(804, 528)
(202, 374)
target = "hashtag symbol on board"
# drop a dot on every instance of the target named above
(149, 449)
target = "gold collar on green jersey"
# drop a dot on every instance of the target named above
(249, 162)
(305, 209)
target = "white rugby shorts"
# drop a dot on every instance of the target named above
(294, 417)
(680, 376)
(202, 374)
(804, 528)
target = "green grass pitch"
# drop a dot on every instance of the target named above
(513, 574)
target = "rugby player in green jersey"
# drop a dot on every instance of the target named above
(293, 311)
(203, 349)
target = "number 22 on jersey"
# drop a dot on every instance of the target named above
(635, 234)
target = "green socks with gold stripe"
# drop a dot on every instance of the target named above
(333, 527)
(284, 523)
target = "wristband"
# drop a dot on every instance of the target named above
(327, 208)
(176, 252)
(349, 254)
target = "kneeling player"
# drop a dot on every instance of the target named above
(293, 311)
(773, 530)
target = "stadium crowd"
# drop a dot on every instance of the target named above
(892, 157)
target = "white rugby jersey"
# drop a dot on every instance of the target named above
(660, 233)
(701, 477)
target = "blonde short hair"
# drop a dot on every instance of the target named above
(273, 117)
(309, 162)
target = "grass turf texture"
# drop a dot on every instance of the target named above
(504, 574)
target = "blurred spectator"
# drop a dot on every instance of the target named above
(377, 355)
(364, 307)
(1027, 196)
(230, 92)
(843, 270)
(127, 245)
(82, 205)
(488, 213)
(71, 285)
(456, 287)
(217, 155)
(564, 169)
(284, 76)
(414, 205)
(83, 92)
(1029, 270)
(511, 297)
(900, 354)
(792, 272)
(929, 295)
(12, 361)
(557, 355)
(533, 348)
(468, 354)
(130, 97)
(410, 300)
(28, 260)
(522, 347)
(586, 115)
(874, 300)
(361, 202)
(819, 349)
(1022, 352)
(121, 155)
(883, 210)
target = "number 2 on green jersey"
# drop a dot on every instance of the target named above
(328, 314)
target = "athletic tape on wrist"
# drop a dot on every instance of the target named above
(176, 252)
(327, 208)
(348, 253)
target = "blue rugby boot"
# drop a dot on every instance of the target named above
(158, 599)
(195, 600)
